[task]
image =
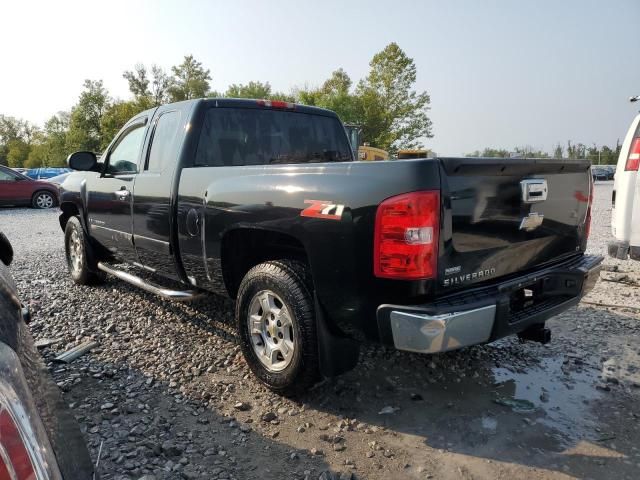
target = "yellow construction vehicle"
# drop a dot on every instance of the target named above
(364, 152)
(403, 154)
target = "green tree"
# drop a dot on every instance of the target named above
(190, 80)
(114, 118)
(558, 151)
(393, 114)
(491, 153)
(148, 92)
(49, 148)
(160, 83)
(138, 81)
(254, 89)
(85, 126)
(257, 90)
(17, 152)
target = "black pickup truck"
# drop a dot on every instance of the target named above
(263, 201)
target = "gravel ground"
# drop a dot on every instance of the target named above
(168, 395)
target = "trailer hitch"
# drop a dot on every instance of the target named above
(537, 333)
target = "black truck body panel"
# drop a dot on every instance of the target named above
(192, 223)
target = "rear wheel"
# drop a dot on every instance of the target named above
(79, 254)
(43, 199)
(276, 322)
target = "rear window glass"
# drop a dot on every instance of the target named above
(244, 136)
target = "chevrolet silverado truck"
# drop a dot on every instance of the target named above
(263, 201)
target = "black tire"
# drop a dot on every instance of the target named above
(290, 281)
(60, 425)
(43, 199)
(81, 259)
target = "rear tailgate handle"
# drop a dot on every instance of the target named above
(534, 190)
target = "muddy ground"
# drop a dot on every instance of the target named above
(168, 395)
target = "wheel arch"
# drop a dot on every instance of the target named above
(245, 247)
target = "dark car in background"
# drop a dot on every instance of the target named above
(601, 173)
(19, 190)
(39, 438)
(45, 173)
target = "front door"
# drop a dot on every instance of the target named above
(111, 192)
(12, 188)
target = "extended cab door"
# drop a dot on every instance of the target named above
(110, 193)
(153, 191)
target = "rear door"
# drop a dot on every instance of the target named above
(153, 191)
(110, 193)
(506, 216)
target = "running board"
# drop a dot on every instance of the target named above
(178, 295)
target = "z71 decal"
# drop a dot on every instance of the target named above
(323, 209)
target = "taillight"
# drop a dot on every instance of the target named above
(587, 220)
(633, 160)
(406, 236)
(277, 104)
(15, 462)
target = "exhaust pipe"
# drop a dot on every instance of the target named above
(536, 334)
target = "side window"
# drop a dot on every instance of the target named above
(164, 145)
(124, 156)
(6, 176)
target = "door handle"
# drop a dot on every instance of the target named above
(122, 194)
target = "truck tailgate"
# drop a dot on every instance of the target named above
(502, 216)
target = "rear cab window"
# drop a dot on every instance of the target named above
(249, 136)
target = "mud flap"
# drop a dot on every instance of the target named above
(338, 353)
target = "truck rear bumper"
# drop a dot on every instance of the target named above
(488, 313)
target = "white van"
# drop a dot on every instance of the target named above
(625, 212)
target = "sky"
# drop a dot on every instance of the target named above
(500, 73)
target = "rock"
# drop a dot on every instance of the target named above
(170, 449)
(242, 406)
(544, 396)
(327, 475)
(269, 417)
(388, 410)
(416, 397)
(317, 452)
(107, 406)
(339, 447)
(370, 454)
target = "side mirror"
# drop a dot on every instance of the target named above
(84, 161)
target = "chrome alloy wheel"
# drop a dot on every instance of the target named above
(271, 331)
(44, 200)
(75, 252)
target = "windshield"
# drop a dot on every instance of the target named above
(246, 136)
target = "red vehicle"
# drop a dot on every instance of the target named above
(17, 189)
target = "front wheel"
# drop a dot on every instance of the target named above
(275, 318)
(43, 199)
(80, 257)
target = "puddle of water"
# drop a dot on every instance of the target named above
(563, 397)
